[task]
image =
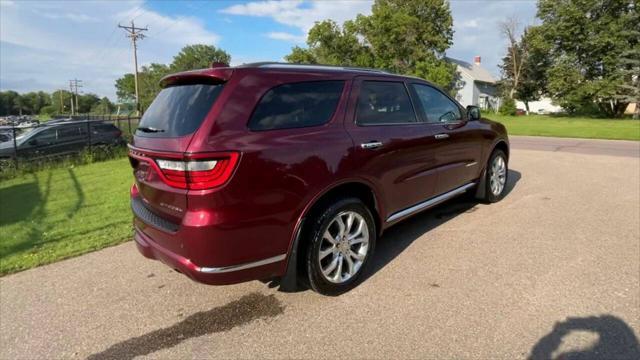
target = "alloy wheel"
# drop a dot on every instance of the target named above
(498, 175)
(344, 247)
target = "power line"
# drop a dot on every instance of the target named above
(135, 34)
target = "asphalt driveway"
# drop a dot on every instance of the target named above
(552, 270)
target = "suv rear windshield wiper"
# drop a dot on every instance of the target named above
(150, 129)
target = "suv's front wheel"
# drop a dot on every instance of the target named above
(496, 177)
(343, 239)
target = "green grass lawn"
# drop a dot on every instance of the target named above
(59, 213)
(575, 127)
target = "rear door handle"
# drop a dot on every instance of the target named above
(441, 136)
(371, 145)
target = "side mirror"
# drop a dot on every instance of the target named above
(473, 112)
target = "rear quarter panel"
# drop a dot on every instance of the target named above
(279, 172)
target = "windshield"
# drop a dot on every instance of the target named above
(178, 110)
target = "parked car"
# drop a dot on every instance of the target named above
(61, 139)
(291, 172)
(6, 133)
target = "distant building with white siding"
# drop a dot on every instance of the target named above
(476, 85)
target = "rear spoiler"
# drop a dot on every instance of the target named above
(205, 76)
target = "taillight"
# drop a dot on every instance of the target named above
(199, 171)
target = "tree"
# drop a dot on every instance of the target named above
(524, 65)
(629, 91)
(104, 106)
(410, 37)
(301, 56)
(532, 82)
(407, 37)
(516, 57)
(150, 82)
(61, 102)
(198, 56)
(86, 102)
(149, 79)
(7, 102)
(36, 100)
(586, 40)
(20, 104)
(191, 57)
(125, 88)
(331, 44)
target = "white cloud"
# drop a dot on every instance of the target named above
(473, 23)
(79, 18)
(476, 28)
(44, 44)
(302, 15)
(276, 35)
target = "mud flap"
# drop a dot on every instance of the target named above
(481, 189)
(289, 282)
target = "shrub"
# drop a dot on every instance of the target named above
(508, 107)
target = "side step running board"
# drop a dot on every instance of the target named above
(430, 203)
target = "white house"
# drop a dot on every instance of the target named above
(476, 86)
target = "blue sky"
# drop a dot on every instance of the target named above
(43, 44)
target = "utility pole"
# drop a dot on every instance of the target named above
(71, 91)
(134, 34)
(61, 102)
(74, 85)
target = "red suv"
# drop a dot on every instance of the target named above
(267, 171)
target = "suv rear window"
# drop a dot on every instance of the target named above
(297, 105)
(178, 110)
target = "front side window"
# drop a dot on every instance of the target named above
(437, 107)
(46, 136)
(383, 103)
(297, 105)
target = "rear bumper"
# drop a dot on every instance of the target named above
(231, 274)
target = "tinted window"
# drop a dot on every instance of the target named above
(68, 132)
(179, 110)
(437, 107)
(384, 103)
(297, 105)
(46, 136)
(104, 128)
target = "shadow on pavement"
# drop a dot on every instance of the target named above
(397, 238)
(221, 319)
(616, 340)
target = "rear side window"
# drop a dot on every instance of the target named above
(178, 110)
(103, 128)
(384, 102)
(297, 105)
(68, 132)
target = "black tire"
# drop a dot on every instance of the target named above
(489, 196)
(319, 224)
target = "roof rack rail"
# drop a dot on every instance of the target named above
(275, 64)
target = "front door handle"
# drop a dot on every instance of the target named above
(371, 145)
(441, 136)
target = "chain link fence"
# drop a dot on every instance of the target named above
(25, 143)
